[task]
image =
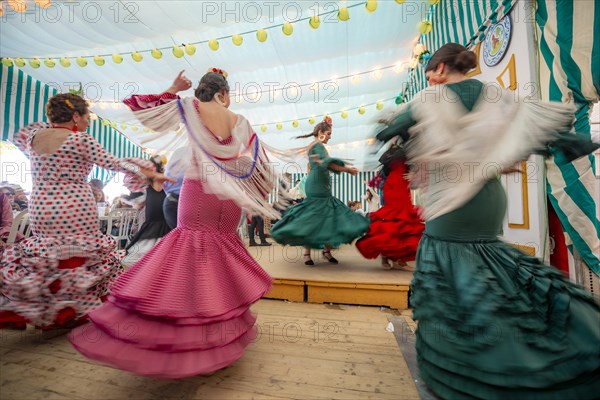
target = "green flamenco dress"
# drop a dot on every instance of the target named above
(320, 219)
(493, 322)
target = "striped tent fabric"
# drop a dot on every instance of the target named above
(115, 143)
(24, 100)
(569, 46)
(458, 21)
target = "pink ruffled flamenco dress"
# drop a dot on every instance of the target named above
(183, 309)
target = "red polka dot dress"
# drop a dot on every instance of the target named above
(67, 265)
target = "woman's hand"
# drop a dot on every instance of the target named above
(180, 83)
(161, 178)
(352, 171)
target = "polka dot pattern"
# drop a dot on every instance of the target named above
(64, 221)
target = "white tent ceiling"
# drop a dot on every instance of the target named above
(383, 38)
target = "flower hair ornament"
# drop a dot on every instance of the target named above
(69, 104)
(218, 71)
(327, 120)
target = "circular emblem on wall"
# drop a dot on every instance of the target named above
(496, 42)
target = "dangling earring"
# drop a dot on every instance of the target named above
(75, 128)
(321, 138)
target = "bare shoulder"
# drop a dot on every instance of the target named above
(49, 140)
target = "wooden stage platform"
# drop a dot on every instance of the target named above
(355, 280)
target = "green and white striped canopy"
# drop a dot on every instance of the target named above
(569, 43)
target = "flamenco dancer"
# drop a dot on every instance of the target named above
(188, 300)
(65, 269)
(155, 225)
(321, 221)
(396, 228)
(494, 322)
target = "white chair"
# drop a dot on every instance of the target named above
(124, 219)
(20, 225)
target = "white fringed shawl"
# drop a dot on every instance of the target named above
(235, 169)
(454, 152)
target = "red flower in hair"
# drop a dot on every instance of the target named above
(214, 70)
(328, 121)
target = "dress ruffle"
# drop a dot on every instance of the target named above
(318, 221)
(183, 309)
(396, 228)
(37, 286)
(496, 323)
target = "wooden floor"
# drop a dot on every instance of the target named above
(355, 280)
(304, 351)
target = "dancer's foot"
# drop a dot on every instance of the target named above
(308, 260)
(252, 244)
(329, 257)
(265, 244)
(402, 266)
(385, 263)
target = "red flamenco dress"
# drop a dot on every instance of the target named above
(396, 228)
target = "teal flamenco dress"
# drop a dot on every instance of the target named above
(320, 219)
(494, 322)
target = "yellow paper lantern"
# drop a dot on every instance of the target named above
(287, 29)
(104, 122)
(279, 126)
(137, 57)
(43, 3)
(7, 62)
(50, 63)
(400, 1)
(117, 58)
(213, 44)
(134, 128)
(113, 124)
(156, 53)
(361, 110)
(82, 62)
(425, 27)
(190, 49)
(34, 63)
(18, 5)
(237, 40)
(123, 126)
(261, 35)
(344, 114)
(344, 14)
(177, 51)
(65, 62)
(434, 2)
(314, 22)
(99, 60)
(295, 123)
(146, 130)
(371, 5)
(419, 48)
(263, 128)
(19, 62)
(379, 105)
(355, 79)
(311, 120)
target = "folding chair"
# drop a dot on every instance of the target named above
(123, 219)
(20, 225)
